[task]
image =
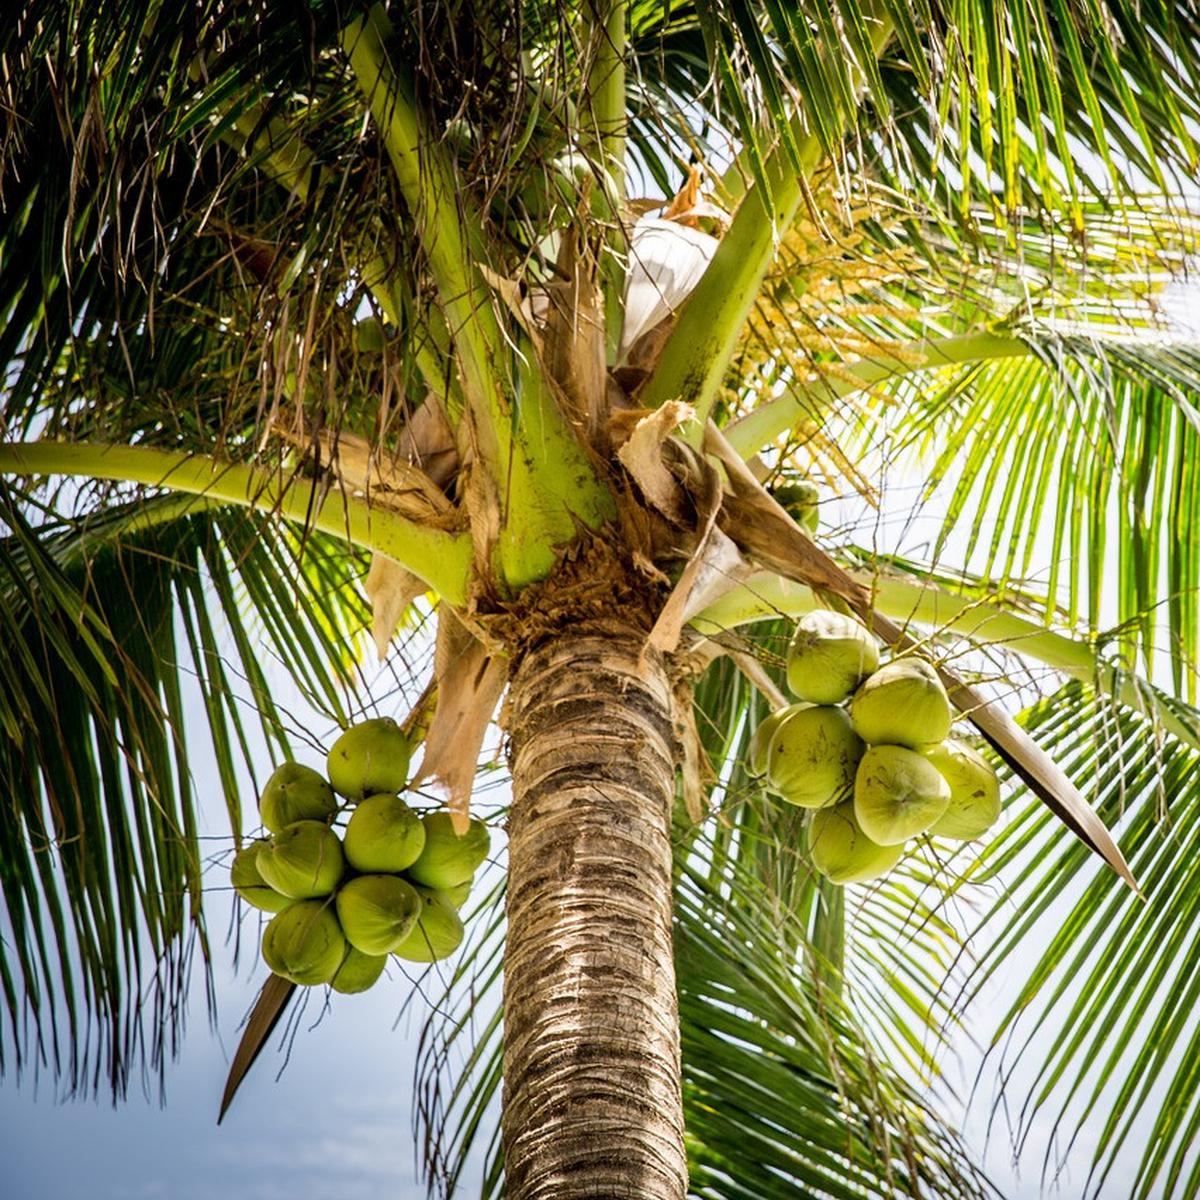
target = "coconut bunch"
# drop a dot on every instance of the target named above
(392, 882)
(868, 750)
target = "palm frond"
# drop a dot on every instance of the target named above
(994, 104)
(1108, 993)
(159, 284)
(773, 1062)
(866, 292)
(1122, 418)
(1077, 358)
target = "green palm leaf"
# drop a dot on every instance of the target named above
(1111, 990)
(1122, 416)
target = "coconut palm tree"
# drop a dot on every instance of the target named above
(320, 318)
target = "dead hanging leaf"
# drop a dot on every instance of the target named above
(481, 498)
(754, 521)
(364, 469)
(715, 565)
(470, 681)
(642, 456)
(427, 441)
(268, 1008)
(574, 333)
(695, 768)
(696, 772)
(390, 588)
(768, 534)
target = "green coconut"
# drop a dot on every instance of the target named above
(898, 794)
(447, 859)
(829, 657)
(304, 943)
(377, 912)
(383, 835)
(902, 704)
(369, 757)
(800, 500)
(459, 895)
(842, 852)
(760, 740)
(813, 756)
(438, 931)
(974, 791)
(302, 861)
(249, 883)
(295, 793)
(358, 971)
(369, 336)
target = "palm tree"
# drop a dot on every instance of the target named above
(291, 291)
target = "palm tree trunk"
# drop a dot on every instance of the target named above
(591, 1060)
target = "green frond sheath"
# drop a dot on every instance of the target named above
(541, 476)
(451, 239)
(280, 151)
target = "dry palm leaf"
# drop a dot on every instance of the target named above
(367, 470)
(265, 1015)
(390, 588)
(573, 345)
(470, 679)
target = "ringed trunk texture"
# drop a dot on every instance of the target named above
(592, 1102)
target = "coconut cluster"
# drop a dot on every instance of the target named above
(868, 750)
(392, 881)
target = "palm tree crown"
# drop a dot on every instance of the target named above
(321, 320)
